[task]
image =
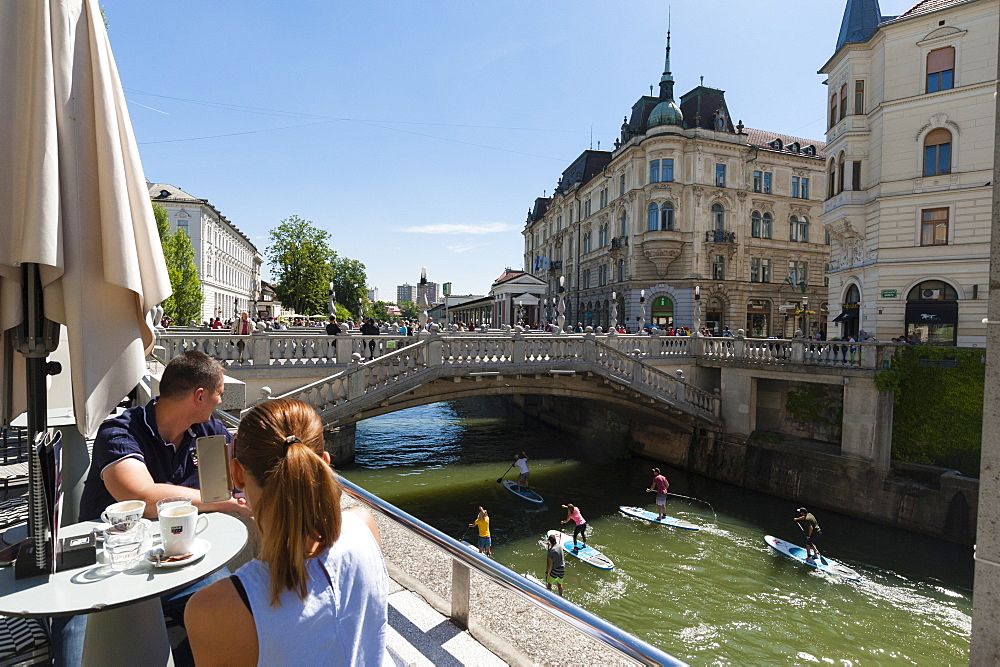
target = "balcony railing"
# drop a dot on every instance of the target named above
(619, 242)
(720, 236)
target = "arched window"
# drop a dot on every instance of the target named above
(831, 176)
(586, 242)
(937, 152)
(941, 69)
(843, 101)
(624, 225)
(765, 226)
(755, 221)
(718, 217)
(804, 230)
(667, 216)
(654, 217)
(840, 172)
(793, 228)
(833, 110)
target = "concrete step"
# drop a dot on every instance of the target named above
(420, 636)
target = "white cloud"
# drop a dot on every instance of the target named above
(465, 247)
(480, 228)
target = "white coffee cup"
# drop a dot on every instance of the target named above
(179, 528)
(127, 512)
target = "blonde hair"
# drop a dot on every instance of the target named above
(280, 443)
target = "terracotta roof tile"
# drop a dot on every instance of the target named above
(763, 139)
(927, 6)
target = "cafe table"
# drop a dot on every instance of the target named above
(125, 623)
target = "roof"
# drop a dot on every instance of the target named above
(171, 193)
(764, 139)
(928, 6)
(507, 275)
(861, 19)
(589, 164)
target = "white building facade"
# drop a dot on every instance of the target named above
(911, 116)
(228, 263)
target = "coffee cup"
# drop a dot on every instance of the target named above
(127, 512)
(179, 528)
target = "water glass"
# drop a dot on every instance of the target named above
(123, 546)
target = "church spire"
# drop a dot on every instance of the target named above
(667, 80)
(861, 18)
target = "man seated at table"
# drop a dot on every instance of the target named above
(148, 453)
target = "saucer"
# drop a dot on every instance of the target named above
(199, 548)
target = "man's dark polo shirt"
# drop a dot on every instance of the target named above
(134, 435)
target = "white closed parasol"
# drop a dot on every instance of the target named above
(75, 204)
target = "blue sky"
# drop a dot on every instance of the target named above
(419, 133)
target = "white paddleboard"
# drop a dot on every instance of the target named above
(588, 555)
(646, 515)
(798, 554)
(525, 493)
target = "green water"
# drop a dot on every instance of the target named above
(716, 596)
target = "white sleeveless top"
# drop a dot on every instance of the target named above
(344, 617)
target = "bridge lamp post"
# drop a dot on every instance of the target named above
(331, 307)
(696, 315)
(422, 297)
(613, 324)
(642, 310)
(561, 307)
(805, 314)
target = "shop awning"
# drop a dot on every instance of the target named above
(846, 316)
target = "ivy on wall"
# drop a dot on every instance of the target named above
(938, 406)
(814, 403)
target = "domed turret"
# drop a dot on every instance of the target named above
(666, 112)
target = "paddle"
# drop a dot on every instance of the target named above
(821, 559)
(504, 474)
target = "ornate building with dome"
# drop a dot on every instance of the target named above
(688, 205)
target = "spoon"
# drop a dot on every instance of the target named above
(158, 555)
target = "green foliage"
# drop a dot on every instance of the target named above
(938, 406)
(343, 314)
(379, 310)
(349, 282)
(183, 306)
(300, 258)
(765, 438)
(410, 310)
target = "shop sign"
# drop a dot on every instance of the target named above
(889, 294)
(850, 306)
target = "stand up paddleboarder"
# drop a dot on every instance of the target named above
(660, 486)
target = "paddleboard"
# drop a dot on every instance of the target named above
(588, 555)
(798, 554)
(525, 493)
(646, 515)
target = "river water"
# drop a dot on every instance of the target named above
(716, 596)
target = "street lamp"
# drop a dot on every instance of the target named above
(805, 314)
(696, 314)
(642, 310)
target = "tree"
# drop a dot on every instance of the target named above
(300, 258)
(410, 310)
(350, 283)
(379, 310)
(183, 306)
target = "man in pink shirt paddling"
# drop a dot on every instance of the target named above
(660, 485)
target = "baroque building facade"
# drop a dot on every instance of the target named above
(911, 116)
(228, 263)
(687, 206)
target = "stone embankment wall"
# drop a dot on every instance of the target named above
(923, 499)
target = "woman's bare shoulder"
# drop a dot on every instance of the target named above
(220, 627)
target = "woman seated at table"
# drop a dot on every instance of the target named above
(317, 593)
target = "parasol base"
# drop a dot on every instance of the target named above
(26, 565)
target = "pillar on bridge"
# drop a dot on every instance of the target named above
(866, 431)
(340, 443)
(738, 400)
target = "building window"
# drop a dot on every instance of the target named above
(654, 171)
(624, 225)
(602, 237)
(755, 221)
(720, 175)
(840, 173)
(621, 184)
(182, 225)
(826, 275)
(719, 267)
(843, 101)
(760, 270)
(569, 248)
(941, 69)
(800, 187)
(667, 216)
(767, 182)
(831, 175)
(621, 270)
(654, 217)
(586, 243)
(798, 230)
(826, 237)
(805, 188)
(758, 181)
(833, 110)
(586, 208)
(859, 98)
(765, 226)
(795, 186)
(586, 278)
(559, 223)
(718, 217)
(798, 274)
(667, 170)
(937, 152)
(934, 226)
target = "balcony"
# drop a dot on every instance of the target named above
(619, 242)
(555, 266)
(720, 236)
(845, 198)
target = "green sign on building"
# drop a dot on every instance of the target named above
(889, 294)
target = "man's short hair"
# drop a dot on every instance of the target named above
(189, 371)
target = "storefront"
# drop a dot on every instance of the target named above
(758, 318)
(850, 314)
(663, 312)
(713, 317)
(932, 313)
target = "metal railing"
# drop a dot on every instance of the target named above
(466, 558)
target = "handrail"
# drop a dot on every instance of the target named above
(589, 623)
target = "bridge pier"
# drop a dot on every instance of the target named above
(340, 443)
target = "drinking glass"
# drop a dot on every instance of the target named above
(123, 546)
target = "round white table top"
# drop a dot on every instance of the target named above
(98, 587)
